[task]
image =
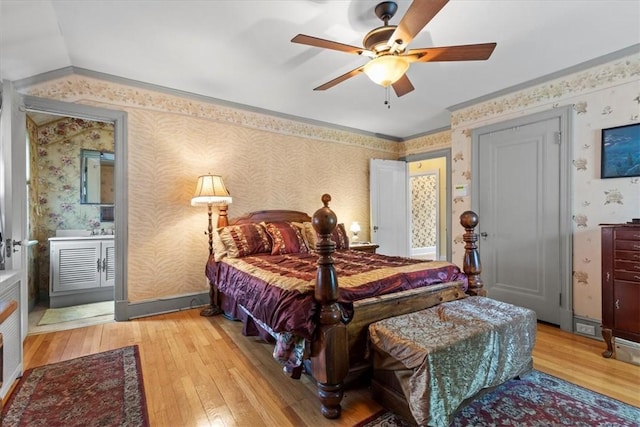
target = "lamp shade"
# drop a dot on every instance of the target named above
(387, 69)
(210, 190)
(355, 227)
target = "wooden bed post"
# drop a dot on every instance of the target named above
(471, 263)
(329, 351)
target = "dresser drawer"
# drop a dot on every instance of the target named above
(627, 245)
(632, 266)
(628, 234)
(627, 275)
(628, 255)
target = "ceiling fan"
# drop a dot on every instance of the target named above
(387, 47)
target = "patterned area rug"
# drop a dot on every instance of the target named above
(68, 314)
(103, 389)
(537, 399)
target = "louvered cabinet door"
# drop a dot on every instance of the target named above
(75, 265)
(108, 273)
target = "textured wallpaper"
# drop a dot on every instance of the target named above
(604, 96)
(266, 163)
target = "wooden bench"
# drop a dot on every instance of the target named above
(428, 364)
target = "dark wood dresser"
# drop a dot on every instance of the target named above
(620, 283)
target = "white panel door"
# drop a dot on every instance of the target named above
(389, 206)
(13, 185)
(519, 209)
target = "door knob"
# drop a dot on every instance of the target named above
(484, 235)
(375, 228)
(11, 246)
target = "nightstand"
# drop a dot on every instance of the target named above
(364, 247)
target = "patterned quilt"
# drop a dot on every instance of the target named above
(277, 290)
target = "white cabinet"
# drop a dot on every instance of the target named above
(10, 330)
(82, 270)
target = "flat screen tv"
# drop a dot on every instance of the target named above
(621, 151)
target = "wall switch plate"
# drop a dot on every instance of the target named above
(590, 330)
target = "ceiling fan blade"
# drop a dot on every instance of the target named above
(327, 44)
(340, 79)
(402, 86)
(470, 52)
(418, 15)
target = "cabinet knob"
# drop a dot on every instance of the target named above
(608, 276)
(617, 304)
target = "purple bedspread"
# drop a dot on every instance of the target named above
(278, 289)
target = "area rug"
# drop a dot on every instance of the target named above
(77, 312)
(103, 389)
(537, 399)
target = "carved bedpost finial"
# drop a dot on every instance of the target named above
(329, 353)
(324, 220)
(471, 264)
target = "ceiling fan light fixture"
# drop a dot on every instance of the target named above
(387, 69)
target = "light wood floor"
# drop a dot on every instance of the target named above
(201, 371)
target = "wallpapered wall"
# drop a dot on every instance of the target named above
(266, 163)
(54, 184)
(271, 163)
(604, 96)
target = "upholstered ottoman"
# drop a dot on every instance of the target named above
(428, 363)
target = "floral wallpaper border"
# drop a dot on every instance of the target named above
(425, 143)
(75, 88)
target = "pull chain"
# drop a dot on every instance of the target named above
(387, 99)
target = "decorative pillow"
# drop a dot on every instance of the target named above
(340, 236)
(245, 239)
(219, 250)
(286, 238)
(308, 234)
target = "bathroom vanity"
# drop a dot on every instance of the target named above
(82, 270)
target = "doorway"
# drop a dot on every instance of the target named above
(60, 212)
(394, 227)
(520, 175)
(117, 255)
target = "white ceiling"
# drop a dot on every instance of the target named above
(240, 51)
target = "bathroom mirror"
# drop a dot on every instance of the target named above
(96, 177)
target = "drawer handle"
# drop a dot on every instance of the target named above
(636, 277)
(617, 304)
(98, 265)
(636, 246)
(608, 276)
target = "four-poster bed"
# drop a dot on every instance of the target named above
(291, 277)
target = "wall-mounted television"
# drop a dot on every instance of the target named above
(621, 151)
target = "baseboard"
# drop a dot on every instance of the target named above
(587, 327)
(126, 310)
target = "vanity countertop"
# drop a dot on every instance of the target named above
(95, 237)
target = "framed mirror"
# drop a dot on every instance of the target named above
(96, 177)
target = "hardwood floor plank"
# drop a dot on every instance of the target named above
(202, 371)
